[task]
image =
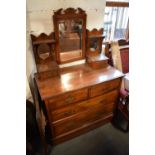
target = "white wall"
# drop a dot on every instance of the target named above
(40, 13)
(39, 19)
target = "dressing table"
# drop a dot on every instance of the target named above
(81, 97)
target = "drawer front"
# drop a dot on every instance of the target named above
(67, 99)
(82, 119)
(99, 89)
(82, 106)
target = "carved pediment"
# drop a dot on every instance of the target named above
(69, 11)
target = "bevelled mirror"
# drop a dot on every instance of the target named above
(70, 33)
(94, 42)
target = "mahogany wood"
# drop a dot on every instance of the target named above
(68, 98)
(70, 14)
(99, 89)
(83, 129)
(74, 80)
(99, 61)
(81, 119)
(94, 34)
(95, 58)
(45, 44)
(73, 109)
(80, 99)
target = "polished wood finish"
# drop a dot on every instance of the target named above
(43, 50)
(91, 35)
(78, 78)
(73, 109)
(69, 14)
(95, 58)
(99, 89)
(76, 99)
(82, 118)
(99, 61)
(80, 99)
(43, 38)
(68, 98)
(81, 130)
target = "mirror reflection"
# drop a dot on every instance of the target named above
(70, 39)
(43, 51)
(93, 44)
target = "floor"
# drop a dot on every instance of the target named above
(106, 140)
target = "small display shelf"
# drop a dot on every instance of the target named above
(43, 49)
(95, 57)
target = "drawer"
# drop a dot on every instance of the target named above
(82, 106)
(82, 119)
(67, 98)
(99, 89)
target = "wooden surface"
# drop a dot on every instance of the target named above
(70, 110)
(79, 100)
(70, 55)
(98, 57)
(75, 78)
(69, 14)
(94, 34)
(43, 50)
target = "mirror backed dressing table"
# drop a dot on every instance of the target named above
(77, 98)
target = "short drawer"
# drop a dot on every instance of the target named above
(82, 119)
(83, 106)
(67, 99)
(99, 89)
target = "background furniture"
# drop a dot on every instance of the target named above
(118, 52)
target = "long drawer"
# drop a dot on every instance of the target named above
(67, 99)
(82, 106)
(99, 89)
(71, 123)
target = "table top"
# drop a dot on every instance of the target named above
(74, 78)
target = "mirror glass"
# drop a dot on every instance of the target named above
(43, 51)
(70, 39)
(93, 44)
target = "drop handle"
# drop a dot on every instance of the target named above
(70, 99)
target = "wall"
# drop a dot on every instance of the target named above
(39, 19)
(40, 13)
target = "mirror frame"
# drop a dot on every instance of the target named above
(69, 13)
(94, 34)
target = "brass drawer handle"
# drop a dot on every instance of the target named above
(68, 113)
(70, 99)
